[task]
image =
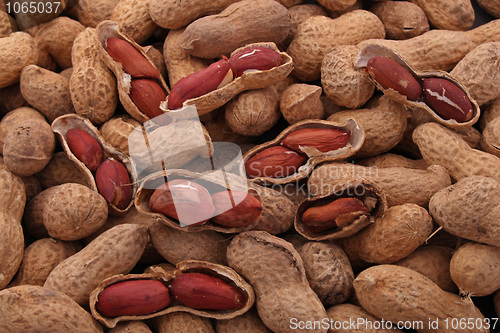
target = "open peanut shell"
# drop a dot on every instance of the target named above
(369, 193)
(64, 123)
(315, 157)
(248, 81)
(213, 182)
(373, 50)
(108, 29)
(225, 273)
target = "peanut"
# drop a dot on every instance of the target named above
(274, 162)
(323, 139)
(113, 182)
(133, 298)
(235, 208)
(132, 61)
(254, 59)
(202, 291)
(85, 147)
(147, 95)
(338, 213)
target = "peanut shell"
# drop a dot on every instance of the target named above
(16, 51)
(134, 20)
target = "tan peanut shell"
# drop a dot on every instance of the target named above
(315, 157)
(248, 81)
(175, 322)
(117, 130)
(349, 312)
(343, 83)
(179, 64)
(115, 251)
(491, 7)
(463, 210)
(249, 322)
(8, 24)
(391, 237)
(46, 91)
(69, 211)
(63, 124)
(476, 72)
(110, 29)
(299, 13)
(91, 12)
(190, 266)
(250, 21)
(491, 112)
(37, 309)
(398, 294)
(32, 187)
(337, 5)
(400, 185)
(253, 112)
(169, 14)
(58, 36)
(370, 51)
(92, 85)
(402, 20)
(440, 145)
(155, 53)
(134, 20)
(14, 117)
(390, 160)
(490, 140)
(13, 200)
(300, 102)
(475, 269)
(328, 271)
(432, 261)
(131, 326)
(269, 263)
(176, 245)
(61, 170)
(16, 51)
(11, 99)
(384, 123)
(317, 35)
(29, 147)
(214, 183)
(451, 15)
(484, 33)
(39, 258)
(434, 50)
(369, 193)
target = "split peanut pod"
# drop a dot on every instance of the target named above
(436, 92)
(141, 88)
(190, 201)
(108, 171)
(198, 287)
(299, 148)
(207, 82)
(346, 209)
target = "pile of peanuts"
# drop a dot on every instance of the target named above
(369, 134)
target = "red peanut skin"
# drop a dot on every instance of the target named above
(133, 298)
(133, 62)
(323, 139)
(390, 74)
(254, 58)
(337, 213)
(447, 100)
(198, 84)
(205, 292)
(275, 162)
(191, 198)
(147, 95)
(244, 213)
(85, 147)
(113, 183)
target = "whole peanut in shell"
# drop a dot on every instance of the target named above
(29, 147)
(451, 15)
(131, 326)
(399, 293)
(268, 263)
(264, 21)
(16, 51)
(38, 309)
(13, 199)
(181, 322)
(134, 20)
(115, 251)
(402, 20)
(61, 170)
(14, 117)
(475, 269)
(248, 322)
(39, 258)
(328, 271)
